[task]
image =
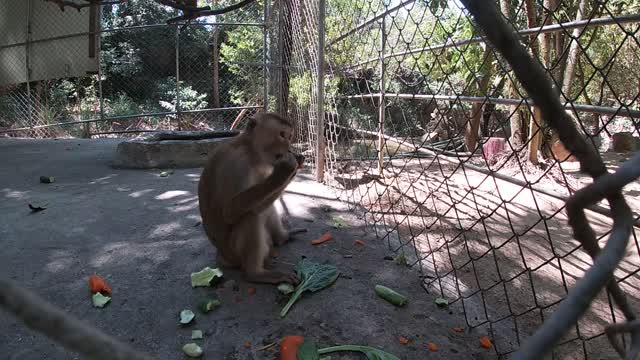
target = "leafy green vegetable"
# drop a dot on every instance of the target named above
(441, 302)
(192, 350)
(390, 295)
(100, 300)
(186, 316)
(205, 277)
(339, 222)
(208, 305)
(370, 352)
(286, 288)
(307, 351)
(196, 334)
(313, 277)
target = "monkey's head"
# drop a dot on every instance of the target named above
(271, 135)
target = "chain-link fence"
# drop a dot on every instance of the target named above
(427, 127)
(120, 69)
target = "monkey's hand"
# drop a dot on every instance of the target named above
(287, 164)
(299, 159)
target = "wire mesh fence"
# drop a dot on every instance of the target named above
(430, 131)
(120, 69)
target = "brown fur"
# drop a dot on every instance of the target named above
(243, 178)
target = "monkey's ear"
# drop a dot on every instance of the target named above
(252, 123)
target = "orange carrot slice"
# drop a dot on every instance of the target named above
(485, 342)
(322, 239)
(99, 285)
(359, 242)
(458, 329)
(289, 347)
(247, 344)
(403, 340)
(432, 347)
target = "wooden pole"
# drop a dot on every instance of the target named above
(381, 106)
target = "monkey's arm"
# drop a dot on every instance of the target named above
(259, 196)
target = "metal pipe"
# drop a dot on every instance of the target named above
(27, 66)
(320, 94)
(177, 44)
(265, 50)
(125, 117)
(592, 109)
(610, 20)
(370, 21)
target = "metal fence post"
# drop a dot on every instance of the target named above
(320, 96)
(265, 49)
(381, 107)
(178, 77)
(28, 67)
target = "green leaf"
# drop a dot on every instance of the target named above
(100, 300)
(208, 305)
(339, 222)
(307, 351)
(205, 277)
(286, 288)
(196, 334)
(192, 350)
(441, 302)
(313, 277)
(371, 352)
(186, 316)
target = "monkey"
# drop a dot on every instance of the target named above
(241, 180)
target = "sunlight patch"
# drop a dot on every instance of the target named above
(171, 194)
(137, 194)
(165, 229)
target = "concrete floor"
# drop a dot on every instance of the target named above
(141, 232)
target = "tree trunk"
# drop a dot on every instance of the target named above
(471, 137)
(535, 123)
(532, 21)
(572, 58)
(215, 68)
(288, 8)
(514, 115)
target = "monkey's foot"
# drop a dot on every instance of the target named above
(272, 277)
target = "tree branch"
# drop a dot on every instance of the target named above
(193, 15)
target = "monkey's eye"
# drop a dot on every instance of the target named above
(283, 134)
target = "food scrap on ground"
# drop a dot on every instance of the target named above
(196, 334)
(47, 179)
(205, 277)
(100, 300)
(485, 342)
(432, 347)
(403, 340)
(339, 222)
(247, 344)
(209, 304)
(99, 285)
(390, 295)
(441, 302)
(458, 329)
(289, 347)
(286, 288)
(359, 242)
(192, 350)
(186, 316)
(322, 239)
(313, 277)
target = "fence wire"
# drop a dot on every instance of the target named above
(465, 171)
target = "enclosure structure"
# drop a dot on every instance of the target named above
(416, 119)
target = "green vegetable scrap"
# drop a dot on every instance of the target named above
(196, 334)
(441, 302)
(391, 295)
(100, 300)
(370, 352)
(400, 260)
(192, 350)
(286, 288)
(166, 173)
(208, 305)
(205, 277)
(339, 222)
(313, 277)
(47, 179)
(186, 316)
(307, 351)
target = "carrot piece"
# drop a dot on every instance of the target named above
(458, 329)
(485, 342)
(251, 290)
(247, 344)
(99, 285)
(360, 242)
(403, 340)
(324, 238)
(289, 347)
(432, 347)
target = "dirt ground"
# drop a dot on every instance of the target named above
(141, 232)
(500, 251)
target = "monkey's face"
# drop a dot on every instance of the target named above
(274, 139)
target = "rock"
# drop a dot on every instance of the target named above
(623, 142)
